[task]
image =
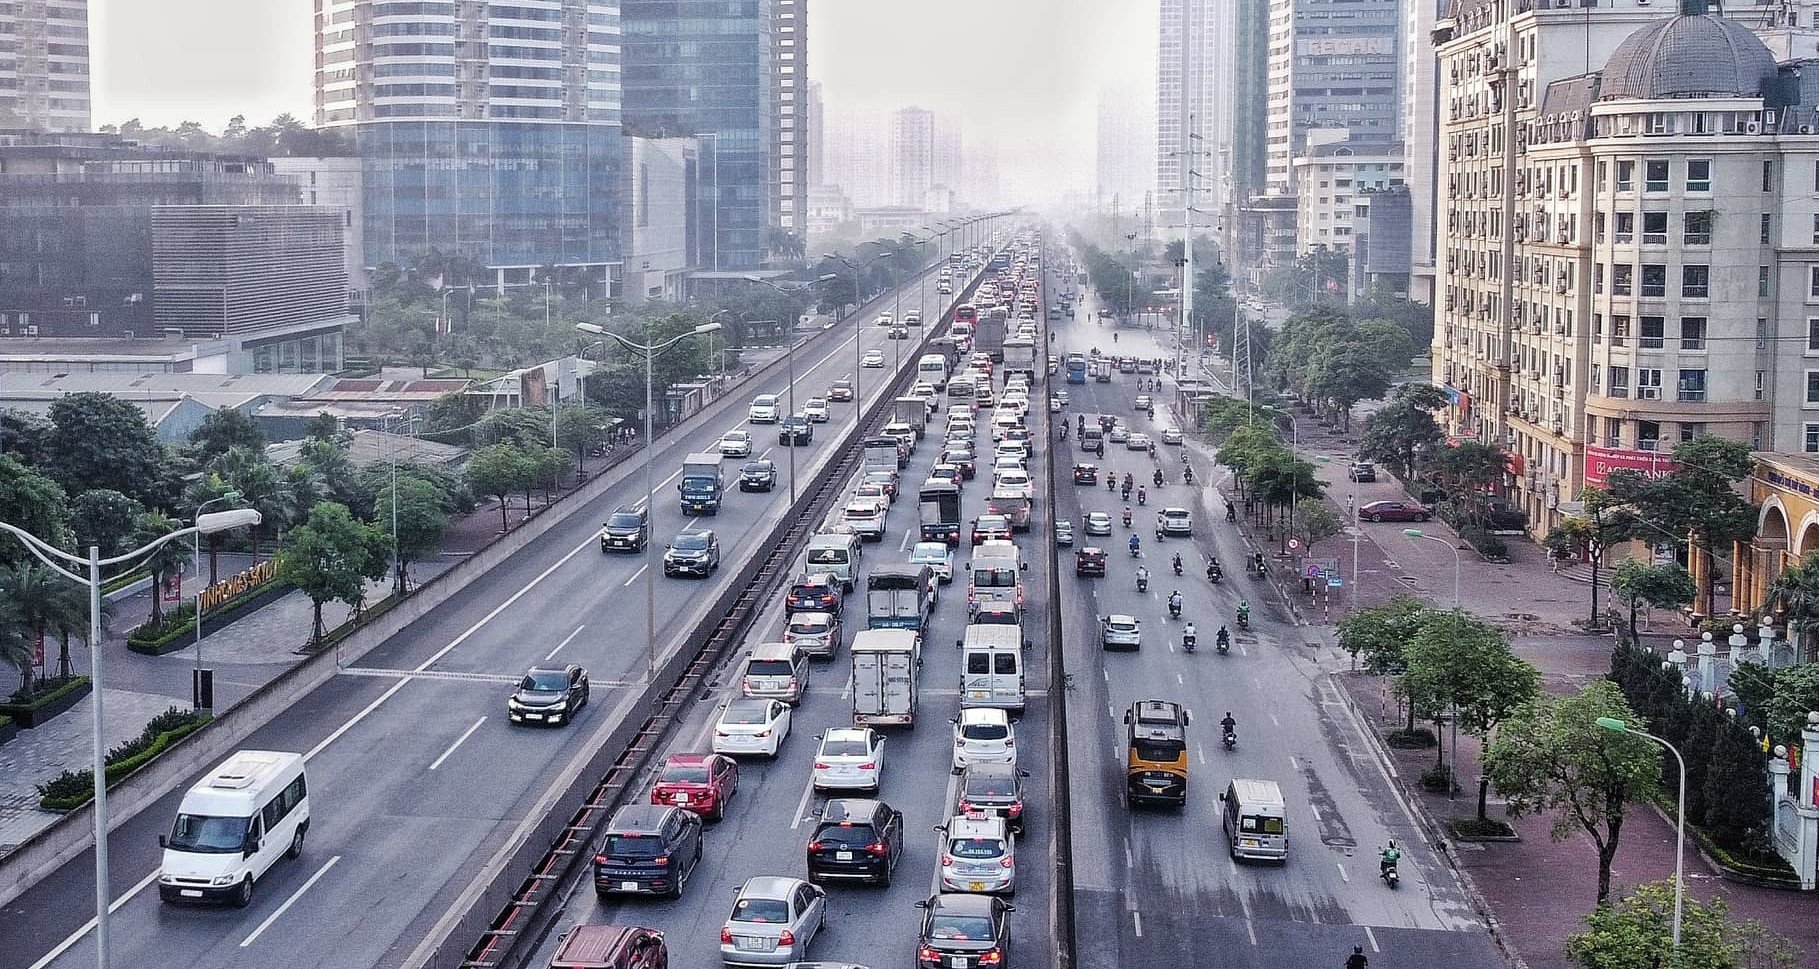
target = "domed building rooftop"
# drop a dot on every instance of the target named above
(1687, 56)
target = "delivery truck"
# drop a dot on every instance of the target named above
(701, 484)
(885, 663)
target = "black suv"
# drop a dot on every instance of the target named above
(648, 849)
(856, 838)
(795, 429)
(627, 530)
(548, 694)
(758, 475)
(814, 592)
(694, 554)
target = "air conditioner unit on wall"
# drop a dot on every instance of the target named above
(1752, 127)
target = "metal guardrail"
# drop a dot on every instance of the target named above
(526, 918)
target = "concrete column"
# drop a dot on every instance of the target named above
(1708, 665)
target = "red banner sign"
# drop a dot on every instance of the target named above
(1601, 461)
(173, 586)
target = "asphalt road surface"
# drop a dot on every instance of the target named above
(416, 774)
(1153, 881)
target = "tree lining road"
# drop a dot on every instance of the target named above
(408, 837)
(1161, 881)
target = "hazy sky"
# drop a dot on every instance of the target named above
(1024, 74)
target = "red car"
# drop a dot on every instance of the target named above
(701, 783)
(1395, 511)
(991, 527)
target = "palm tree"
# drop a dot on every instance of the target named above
(16, 646)
(1795, 594)
(45, 603)
(167, 559)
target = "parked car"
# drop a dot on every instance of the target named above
(1361, 471)
(1394, 511)
(548, 694)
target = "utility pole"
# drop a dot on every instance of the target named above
(1186, 329)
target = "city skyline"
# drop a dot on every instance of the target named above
(1043, 61)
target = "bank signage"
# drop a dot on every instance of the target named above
(1601, 461)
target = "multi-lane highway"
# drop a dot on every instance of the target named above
(768, 826)
(1148, 880)
(416, 775)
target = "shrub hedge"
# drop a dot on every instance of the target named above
(25, 708)
(179, 627)
(72, 789)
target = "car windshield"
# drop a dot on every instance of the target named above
(546, 682)
(809, 627)
(624, 519)
(690, 543)
(757, 467)
(960, 928)
(747, 713)
(761, 910)
(1123, 625)
(990, 784)
(765, 401)
(993, 523)
(827, 556)
(975, 847)
(769, 667)
(985, 731)
(990, 578)
(683, 774)
(208, 835)
(634, 845)
(844, 747)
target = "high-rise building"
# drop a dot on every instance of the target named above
(817, 136)
(1634, 275)
(1126, 142)
(947, 168)
(1330, 177)
(1195, 74)
(704, 68)
(1420, 124)
(44, 76)
(858, 157)
(912, 154)
(1332, 64)
(795, 106)
(484, 130)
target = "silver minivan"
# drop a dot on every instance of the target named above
(775, 671)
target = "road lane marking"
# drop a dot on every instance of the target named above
(1202, 752)
(1137, 922)
(89, 926)
(437, 655)
(635, 575)
(1179, 681)
(1316, 809)
(565, 642)
(1274, 720)
(1293, 762)
(1372, 936)
(269, 919)
(1342, 875)
(808, 791)
(469, 732)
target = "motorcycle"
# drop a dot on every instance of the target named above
(1127, 491)
(1127, 516)
(1188, 641)
(1177, 563)
(1230, 739)
(1174, 607)
(1157, 477)
(1225, 645)
(1214, 573)
(1187, 475)
(1244, 620)
(1387, 872)
(1143, 580)
(1142, 497)
(1136, 548)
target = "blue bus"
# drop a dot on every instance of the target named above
(1076, 369)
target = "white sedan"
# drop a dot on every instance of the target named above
(983, 735)
(937, 556)
(736, 444)
(850, 758)
(1120, 632)
(873, 358)
(752, 726)
(816, 410)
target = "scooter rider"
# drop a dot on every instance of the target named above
(1157, 477)
(1177, 563)
(1386, 862)
(1143, 579)
(1127, 516)
(1136, 546)
(1228, 726)
(1143, 496)
(1187, 474)
(1244, 613)
(1357, 960)
(1224, 639)
(1174, 604)
(1189, 639)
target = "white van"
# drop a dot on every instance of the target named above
(933, 369)
(1256, 825)
(834, 551)
(991, 667)
(233, 825)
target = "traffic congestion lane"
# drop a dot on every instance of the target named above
(509, 619)
(773, 815)
(1163, 878)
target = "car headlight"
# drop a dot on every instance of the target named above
(220, 880)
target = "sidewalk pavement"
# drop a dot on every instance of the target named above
(245, 655)
(1538, 890)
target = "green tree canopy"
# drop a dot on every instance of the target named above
(1698, 499)
(498, 471)
(1462, 663)
(1381, 633)
(331, 556)
(421, 522)
(1404, 430)
(104, 518)
(1637, 584)
(98, 440)
(1636, 932)
(1551, 757)
(225, 428)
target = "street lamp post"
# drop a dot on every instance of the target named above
(1452, 774)
(1619, 726)
(196, 553)
(650, 355)
(790, 358)
(858, 321)
(208, 524)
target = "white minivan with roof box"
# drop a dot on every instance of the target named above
(233, 826)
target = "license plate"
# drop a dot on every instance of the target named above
(189, 893)
(843, 856)
(628, 886)
(976, 886)
(748, 943)
(682, 799)
(1248, 843)
(533, 716)
(958, 962)
(978, 694)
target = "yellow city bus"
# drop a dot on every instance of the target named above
(1156, 753)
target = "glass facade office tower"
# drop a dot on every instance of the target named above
(487, 130)
(703, 68)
